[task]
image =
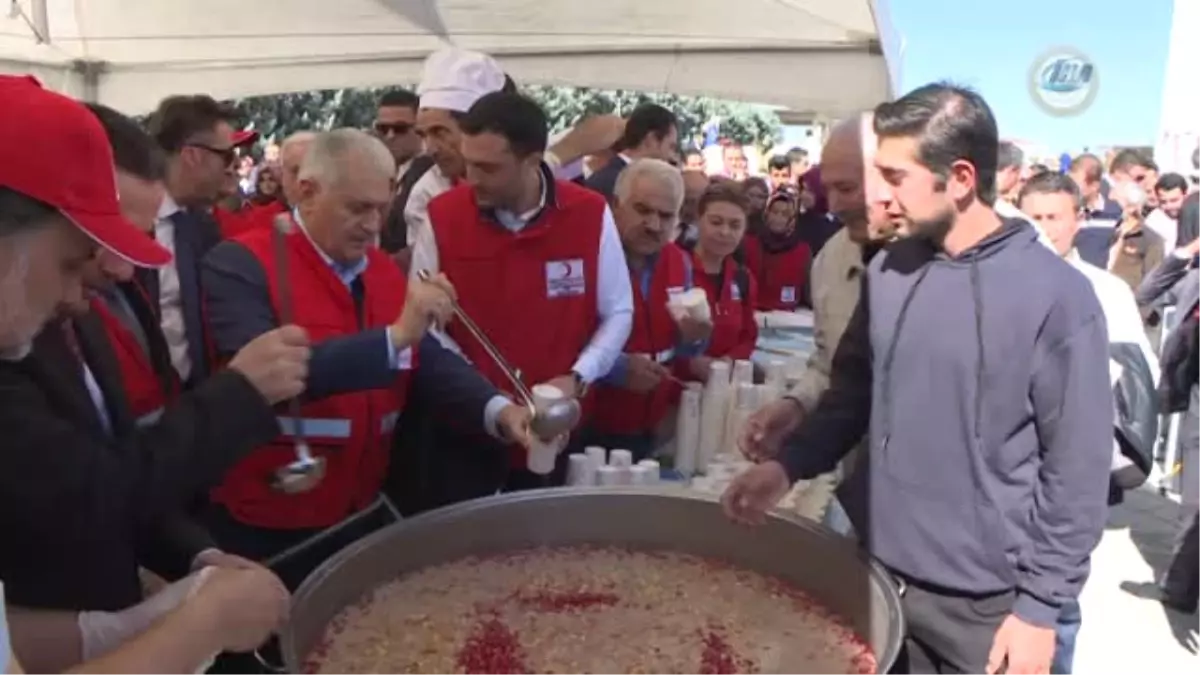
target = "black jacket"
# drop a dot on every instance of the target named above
(604, 181)
(80, 507)
(395, 229)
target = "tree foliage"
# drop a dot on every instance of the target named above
(277, 116)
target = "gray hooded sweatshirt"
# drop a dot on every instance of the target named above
(984, 382)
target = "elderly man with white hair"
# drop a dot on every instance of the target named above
(371, 355)
(633, 400)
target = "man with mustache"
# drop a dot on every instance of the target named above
(836, 280)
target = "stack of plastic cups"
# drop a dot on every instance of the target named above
(775, 382)
(745, 403)
(687, 431)
(621, 458)
(544, 453)
(743, 372)
(580, 472)
(597, 457)
(714, 410)
(647, 472)
(610, 476)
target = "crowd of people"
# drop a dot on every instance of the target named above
(214, 376)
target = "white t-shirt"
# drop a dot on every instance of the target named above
(1120, 309)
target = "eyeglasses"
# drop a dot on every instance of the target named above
(227, 155)
(395, 128)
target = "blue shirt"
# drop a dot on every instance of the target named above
(620, 370)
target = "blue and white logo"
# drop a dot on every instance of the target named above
(1063, 82)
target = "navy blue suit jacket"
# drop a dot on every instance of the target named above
(240, 309)
(604, 181)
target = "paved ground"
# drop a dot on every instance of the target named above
(1124, 631)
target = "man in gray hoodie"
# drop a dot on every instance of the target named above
(977, 364)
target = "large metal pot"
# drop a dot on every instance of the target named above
(828, 567)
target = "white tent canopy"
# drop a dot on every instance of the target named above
(818, 56)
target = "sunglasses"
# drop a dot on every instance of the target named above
(228, 155)
(396, 128)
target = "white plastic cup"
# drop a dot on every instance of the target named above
(639, 475)
(542, 456)
(579, 470)
(743, 372)
(546, 394)
(610, 476)
(718, 371)
(653, 472)
(597, 455)
(621, 458)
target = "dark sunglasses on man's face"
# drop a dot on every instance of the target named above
(395, 128)
(228, 155)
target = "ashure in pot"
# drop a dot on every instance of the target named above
(799, 552)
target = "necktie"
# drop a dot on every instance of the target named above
(358, 292)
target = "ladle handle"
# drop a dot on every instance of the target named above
(483, 340)
(287, 313)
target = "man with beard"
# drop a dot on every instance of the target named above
(1170, 191)
(977, 362)
(56, 215)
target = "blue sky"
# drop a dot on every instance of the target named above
(991, 45)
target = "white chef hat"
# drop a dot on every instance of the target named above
(453, 79)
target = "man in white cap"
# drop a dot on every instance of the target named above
(452, 80)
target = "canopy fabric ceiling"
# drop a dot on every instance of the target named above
(816, 56)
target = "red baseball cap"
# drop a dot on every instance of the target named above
(53, 149)
(244, 137)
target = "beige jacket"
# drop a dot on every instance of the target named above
(836, 282)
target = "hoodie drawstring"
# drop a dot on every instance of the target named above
(891, 355)
(980, 365)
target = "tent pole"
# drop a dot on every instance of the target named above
(89, 76)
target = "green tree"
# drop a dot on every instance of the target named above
(280, 115)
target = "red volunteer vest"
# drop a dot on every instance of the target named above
(730, 311)
(352, 431)
(620, 411)
(782, 276)
(141, 383)
(753, 251)
(532, 292)
(247, 218)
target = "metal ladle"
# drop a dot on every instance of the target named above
(549, 422)
(306, 471)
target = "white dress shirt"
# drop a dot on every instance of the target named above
(170, 299)
(1004, 209)
(1121, 315)
(416, 211)
(614, 295)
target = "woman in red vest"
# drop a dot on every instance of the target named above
(783, 258)
(731, 288)
(637, 393)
